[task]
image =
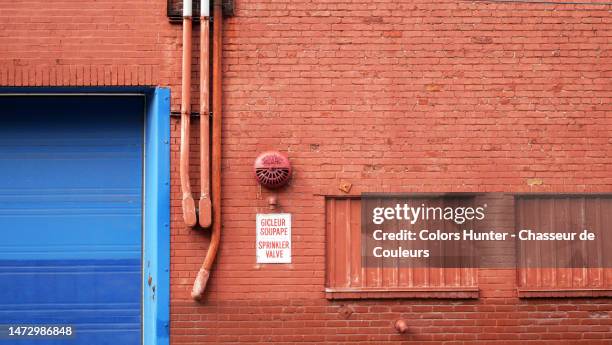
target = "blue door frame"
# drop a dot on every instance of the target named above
(156, 210)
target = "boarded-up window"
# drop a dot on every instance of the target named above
(565, 268)
(348, 276)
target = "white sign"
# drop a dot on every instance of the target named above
(273, 238)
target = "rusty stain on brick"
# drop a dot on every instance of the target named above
(373, 19)
(534, 181)
(436, 140)
(345, 186)
(20, 62)
(371, 167)
(345, 312)
(557, 87)
(482, 39)
(392, 34)
(433, 87)
(489, 147)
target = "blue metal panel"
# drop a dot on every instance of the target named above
(157, 219)
(71, 215)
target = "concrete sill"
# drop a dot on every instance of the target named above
(563, 293)
(381, 293)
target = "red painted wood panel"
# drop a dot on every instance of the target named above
(570, 267)
(346, 273)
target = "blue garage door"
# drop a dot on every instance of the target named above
(71, 216)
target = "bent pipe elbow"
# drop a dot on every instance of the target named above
(203, 275)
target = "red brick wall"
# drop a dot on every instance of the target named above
(388, 95)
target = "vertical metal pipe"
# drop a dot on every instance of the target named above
(189, 214)
(205, 207)
(199, 286)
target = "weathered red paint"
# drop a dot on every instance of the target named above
(349, 278)
(416, 96)
(272, 169)
(546, 265)
(205, 206)
(201, 281)
(189, 211)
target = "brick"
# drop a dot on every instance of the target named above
(437, 96)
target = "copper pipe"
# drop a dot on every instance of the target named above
(189, 214)
(205, 208)
(199, 286)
